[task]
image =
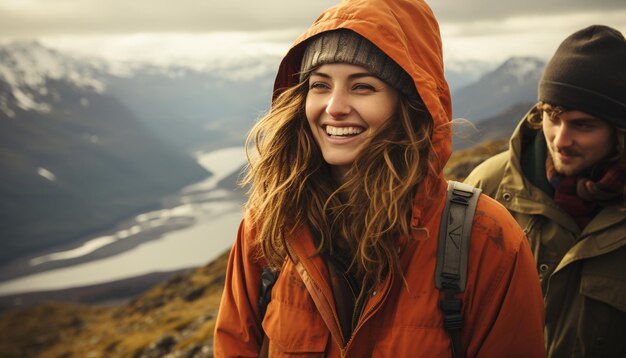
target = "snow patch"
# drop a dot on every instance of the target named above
(46, 174)
(27, 67)
(523, 67)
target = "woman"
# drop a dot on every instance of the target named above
(347, 194)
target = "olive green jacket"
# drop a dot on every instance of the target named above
(582, 272)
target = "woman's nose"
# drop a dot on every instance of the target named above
(338, 105)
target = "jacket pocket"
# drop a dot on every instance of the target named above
(603, 318)
(294, 331)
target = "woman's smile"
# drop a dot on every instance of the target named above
(345, 132)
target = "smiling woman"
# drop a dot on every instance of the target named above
(347, 193)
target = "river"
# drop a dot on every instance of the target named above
(198, 224)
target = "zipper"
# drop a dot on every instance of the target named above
(359, 304)
(405, 254)
(368, 314)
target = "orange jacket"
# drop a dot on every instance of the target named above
(502, 303)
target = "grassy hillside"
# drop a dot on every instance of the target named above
(175, 317)
(462, 162)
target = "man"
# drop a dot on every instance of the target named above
(564, 180)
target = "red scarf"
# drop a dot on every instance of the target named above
(581, 197)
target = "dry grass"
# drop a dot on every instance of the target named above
(175, 317)
(462, 162)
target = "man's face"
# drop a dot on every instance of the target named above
(577, 140)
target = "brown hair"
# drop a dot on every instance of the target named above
(291, 185)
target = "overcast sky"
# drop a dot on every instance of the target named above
(160, 29)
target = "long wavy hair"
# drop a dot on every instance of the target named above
(292, 186)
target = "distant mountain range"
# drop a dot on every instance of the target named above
(462, 73)
(190, 108)
(74, 159)
(513, 82)
(496, 102)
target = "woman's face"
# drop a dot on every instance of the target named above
(346, 106)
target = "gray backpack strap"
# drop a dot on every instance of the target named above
(453, 246)
(454, 234)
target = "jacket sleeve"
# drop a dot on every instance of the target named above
(507, 316)
(238, 330)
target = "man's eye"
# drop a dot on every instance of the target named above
(585, 126)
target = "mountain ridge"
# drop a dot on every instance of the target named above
(514, 81)
(74, 159)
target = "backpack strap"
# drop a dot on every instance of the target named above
(268, 278)
(453, 246)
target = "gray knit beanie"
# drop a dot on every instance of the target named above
(588, 73)
(345, 46)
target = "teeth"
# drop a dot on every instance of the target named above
(341, 131)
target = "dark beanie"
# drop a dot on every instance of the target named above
(345, 46)
(588, 73)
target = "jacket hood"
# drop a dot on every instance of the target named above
(409, 34)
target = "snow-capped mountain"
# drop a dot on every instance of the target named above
(515, 81)
(199, 105)
(197, 109)
(461, 73)
(73, 157)
(26, 67)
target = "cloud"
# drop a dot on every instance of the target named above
(194, 50)
(155, 29)
(473, 10)
(537, 35)
(24, 18)
(32, 18)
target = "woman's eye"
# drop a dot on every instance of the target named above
(363, 87)
(318, 85)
